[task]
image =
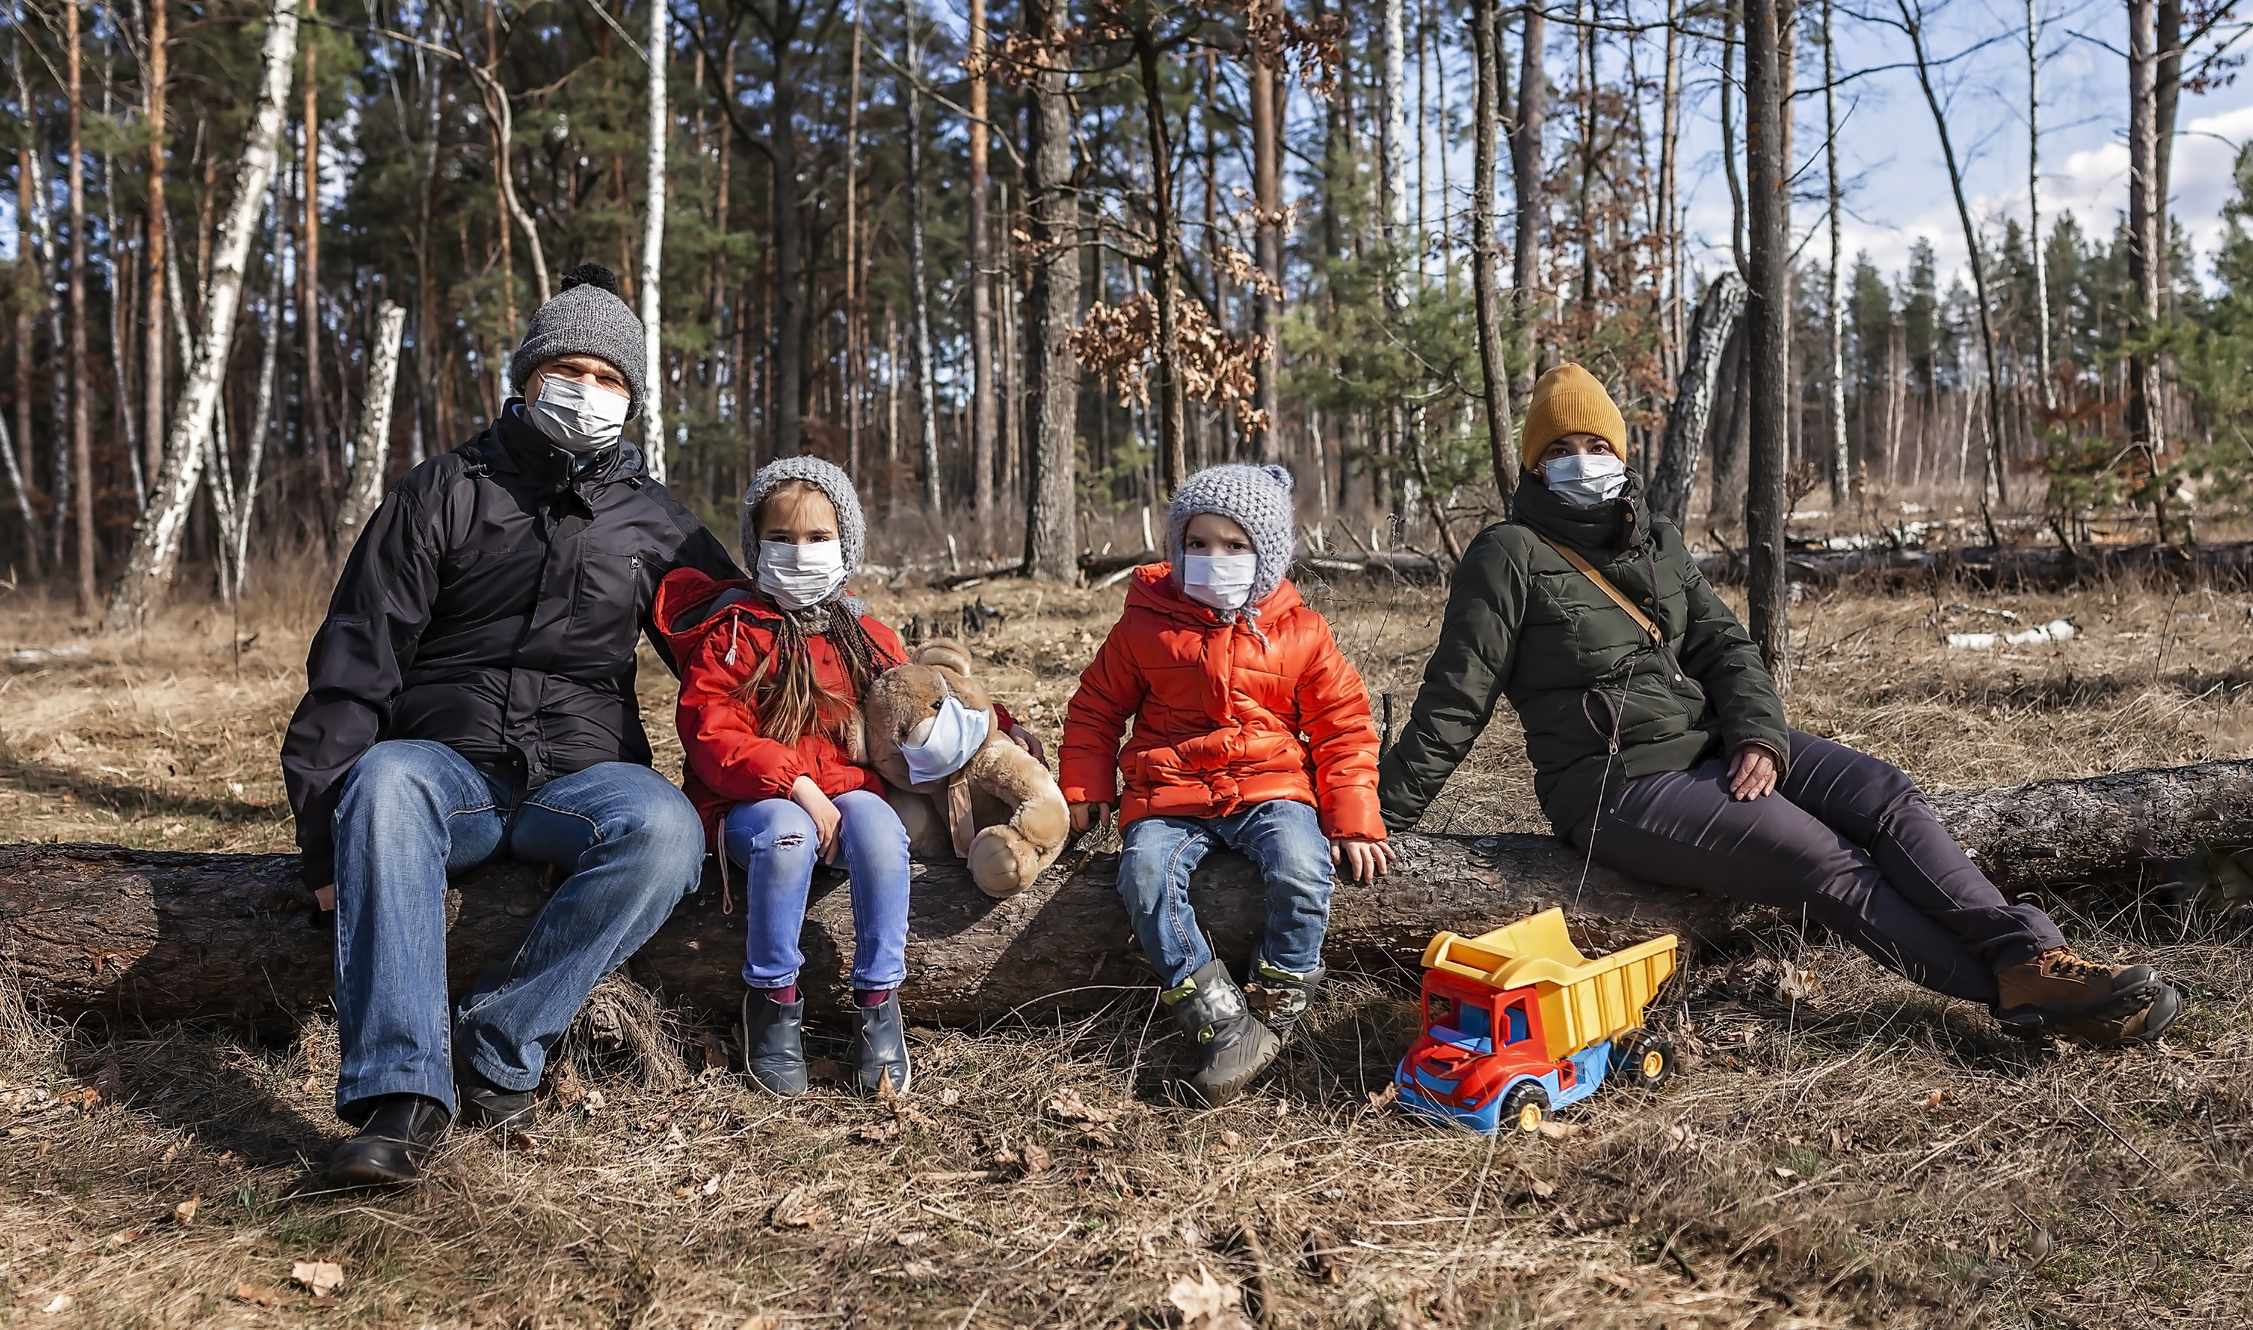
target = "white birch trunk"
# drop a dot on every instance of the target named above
(371, 453)
(261, 417)
(2034, 204)
(1841, 478)
(156, 538)
(1394, 131)
(653, 248)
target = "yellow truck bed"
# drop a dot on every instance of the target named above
(1583, 1001)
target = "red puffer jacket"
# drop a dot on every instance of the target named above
(1219, 715)
(719, 632)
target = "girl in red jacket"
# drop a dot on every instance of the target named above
(1251, 733)
(772, 673)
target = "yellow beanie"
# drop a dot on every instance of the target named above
(1569, 400)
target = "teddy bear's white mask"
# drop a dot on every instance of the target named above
(938, 747)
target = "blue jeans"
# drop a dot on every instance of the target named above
(1283, 838)
(629, 845)
(774, 843)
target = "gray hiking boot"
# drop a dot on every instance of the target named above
(1232, 1045)
(1281, 997)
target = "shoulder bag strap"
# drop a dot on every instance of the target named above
(1603, 584)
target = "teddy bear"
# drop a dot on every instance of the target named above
(1001, 810)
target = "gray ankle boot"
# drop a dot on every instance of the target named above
(1232, 1045)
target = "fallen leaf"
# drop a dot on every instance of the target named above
(1068, 1105)
(1785, 1173)
(594, 1102)
(1383, 1098)
(950, 1096)
(326, 1303)
(63, 1302)
(523, 1141)
(761, 1322)
(1799, 986)
(1230, 1140)
(1544, 1188)
(1936, 1099)
(1620, 1282)
(715, 1052)
(1099, 1138)
(121, 1238)
(1558, 1131)
(1208, 1304)
(826, 1069)
(185, 1211)
(911, 1238)
(323, 1277)
(260, 1294)
(920, 1270)
(712, 1188)
(878, 1131)
(1036, 1159)
(795, 1210)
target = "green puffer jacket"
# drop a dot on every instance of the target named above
(1521, 621)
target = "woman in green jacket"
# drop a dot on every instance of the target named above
(1659, 745)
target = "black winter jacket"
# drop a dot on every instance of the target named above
(491, 604)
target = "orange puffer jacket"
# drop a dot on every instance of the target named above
(1222, 720)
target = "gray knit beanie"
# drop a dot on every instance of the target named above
(1256, 498)
(587, 318)
(852, 528)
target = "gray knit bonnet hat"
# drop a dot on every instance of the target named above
(852, 527)
(1256, 498)
(587, 318)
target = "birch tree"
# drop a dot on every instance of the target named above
(156, 538)
(371, 452)
(653, 246)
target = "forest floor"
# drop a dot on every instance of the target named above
(1864, 1155)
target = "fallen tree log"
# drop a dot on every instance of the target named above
(104, 932)
(2010, 567)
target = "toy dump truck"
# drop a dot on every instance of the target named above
(1517, 1024)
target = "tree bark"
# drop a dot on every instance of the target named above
(371, 453)
(1054, 212)
(982, 432)
(1525, 174)
(109, 933)
(1173, 457)
(2144, 240)
(1675, 477)
(652, 247)
(311, 392)
(1494, 369)
(81, 418)
(2034, 205)
(1842, 478)
(156, 539)
(1392, 137)
(1768, 254)
(919, 294)
(152, 343)
(1267, 197)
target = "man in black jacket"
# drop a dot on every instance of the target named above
(471, 696)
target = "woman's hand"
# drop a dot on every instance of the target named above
(807, 795)
(1752, 773)
(1365, 860)
(1089, 815)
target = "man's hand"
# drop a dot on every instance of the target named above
(1752, 773)
(1365, 860)
(1028, 741)
(807, 795)
(1089, 815)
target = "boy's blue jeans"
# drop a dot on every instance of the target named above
(773, 841)
(1283, 838)
(629, 845)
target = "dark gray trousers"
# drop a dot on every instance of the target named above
(1845, 835)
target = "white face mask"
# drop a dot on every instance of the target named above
(578, 417)
(940, 746)
(798, 576)
(1223, 581)
(1587, 479)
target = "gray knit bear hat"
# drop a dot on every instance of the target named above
(852, 527)
(587, 318)
(1256, 498)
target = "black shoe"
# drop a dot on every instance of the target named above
(879, 1048)
(1233, 1046)
(774, 1047)
(1281, 997)
(484, 1104)
(391, 1148)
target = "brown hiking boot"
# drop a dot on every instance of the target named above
(2135, 1024)
(2057, 990)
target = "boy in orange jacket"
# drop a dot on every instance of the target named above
(1251, 733)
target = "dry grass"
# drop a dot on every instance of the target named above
(1874, 1157)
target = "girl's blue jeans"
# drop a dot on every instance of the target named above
(1283, 838)
(774, 843)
